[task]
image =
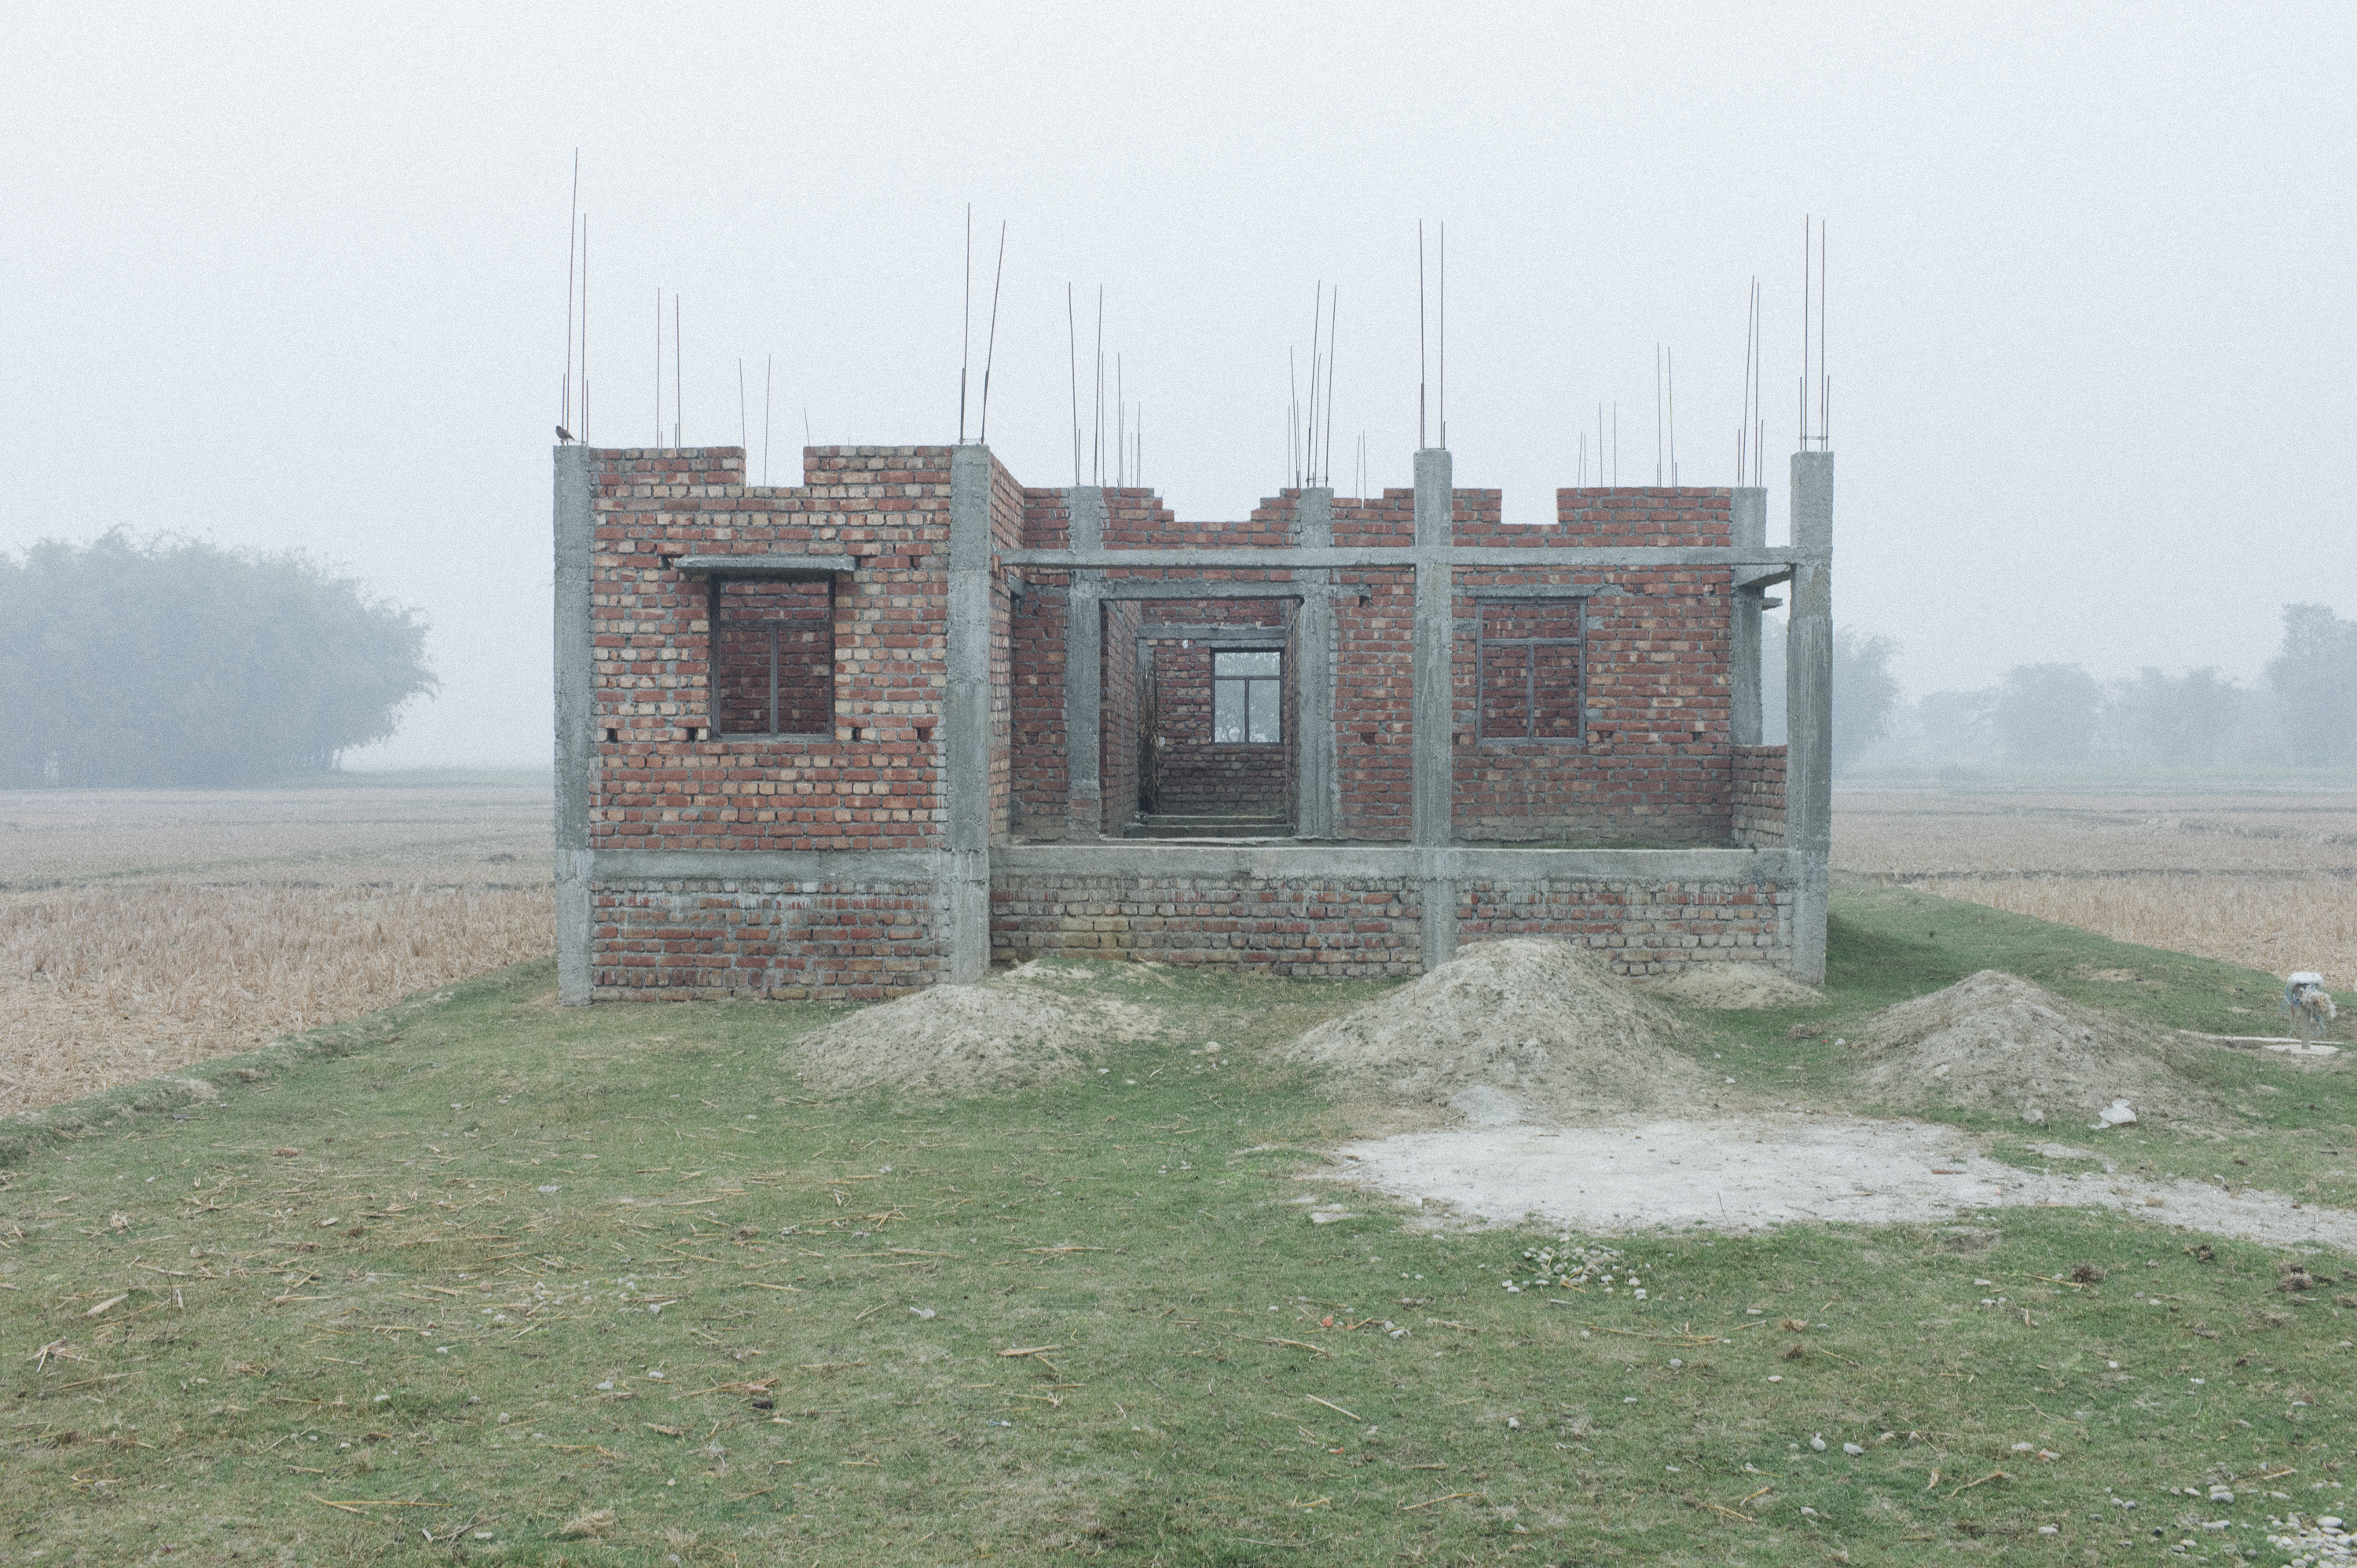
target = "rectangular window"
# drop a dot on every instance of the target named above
(1529, 654)
(773, 658)
(1246, 699)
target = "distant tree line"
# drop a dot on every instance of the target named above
(2303, 713)
(176, 662)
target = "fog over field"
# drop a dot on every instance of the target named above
(295, 279)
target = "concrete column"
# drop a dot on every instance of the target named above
(1432, 761)
(1084, 674)
(966, 722)
(1318, 801)
(577, 737)
(1750, 531)
(1809, 708)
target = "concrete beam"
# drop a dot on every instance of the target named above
(1432, 764)
(1229, 636)
(966, 732)
(1750, 509)
(1084, 673)
(886, 866)
(1288, 558)
(1132, 858)
(775, 565)
(1317, 804)
(1110, 588)
(1809, 708)
(576, 715)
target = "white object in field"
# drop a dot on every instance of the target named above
(2115, 1114)
(2307, 1003)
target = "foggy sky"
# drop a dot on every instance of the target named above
(295, 276)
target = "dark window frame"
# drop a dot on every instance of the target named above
(1483, 642)
(1247, 682)
(713, 620)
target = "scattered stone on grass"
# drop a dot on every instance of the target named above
(1734, 986)
(1535, 1024)
(1033, 1023)
(1995, 1042)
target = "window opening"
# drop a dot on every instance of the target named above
(773, 664)
(1247, 702)
(1529, 653)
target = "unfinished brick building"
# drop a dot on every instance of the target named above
(881, 729)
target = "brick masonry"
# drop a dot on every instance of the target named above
(1654, 765)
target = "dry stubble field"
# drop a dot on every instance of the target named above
(141, 930)
(2248, 874)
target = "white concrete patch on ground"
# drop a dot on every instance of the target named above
(1749, 1173)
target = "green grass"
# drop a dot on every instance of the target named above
(437, 1260)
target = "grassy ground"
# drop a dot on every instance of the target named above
(480, 1278)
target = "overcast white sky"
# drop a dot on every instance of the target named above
(295, 276)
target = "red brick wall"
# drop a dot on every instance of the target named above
(828, 942)
(1042, 790)
(1369, 926)
(1640, 928)
(1374, 659)
(1117, 714)
(1656, 765)
(1758, 796)
(874, 783)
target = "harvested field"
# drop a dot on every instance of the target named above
(143, 930)
(2247, 876)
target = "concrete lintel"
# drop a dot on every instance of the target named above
(966, 732)
(1752, 583)
(575, 541)
(1723, 865)
(774, 565)
(1547, 591)
(918, 866)
(1132, 858)
(1211, 588)
(1294, 558)
(1229, 636)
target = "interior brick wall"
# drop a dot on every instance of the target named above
(1759, 797)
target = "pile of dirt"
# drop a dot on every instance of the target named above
(1994, 1042)
(1033, 1023)
(1735, 985)
(1544, 1023)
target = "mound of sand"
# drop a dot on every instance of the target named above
(1542, 1023)
(1032, 1024)
(1734, 985)
(1995, 1042)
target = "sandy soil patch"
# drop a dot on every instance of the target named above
(1735, 987)
(1034, 1023)
(1751, 1172)
(1543, 1021)
(1995, 1042)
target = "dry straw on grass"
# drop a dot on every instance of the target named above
(2280, 924)
(100, 987)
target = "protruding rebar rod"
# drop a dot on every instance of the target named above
(990, 353)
